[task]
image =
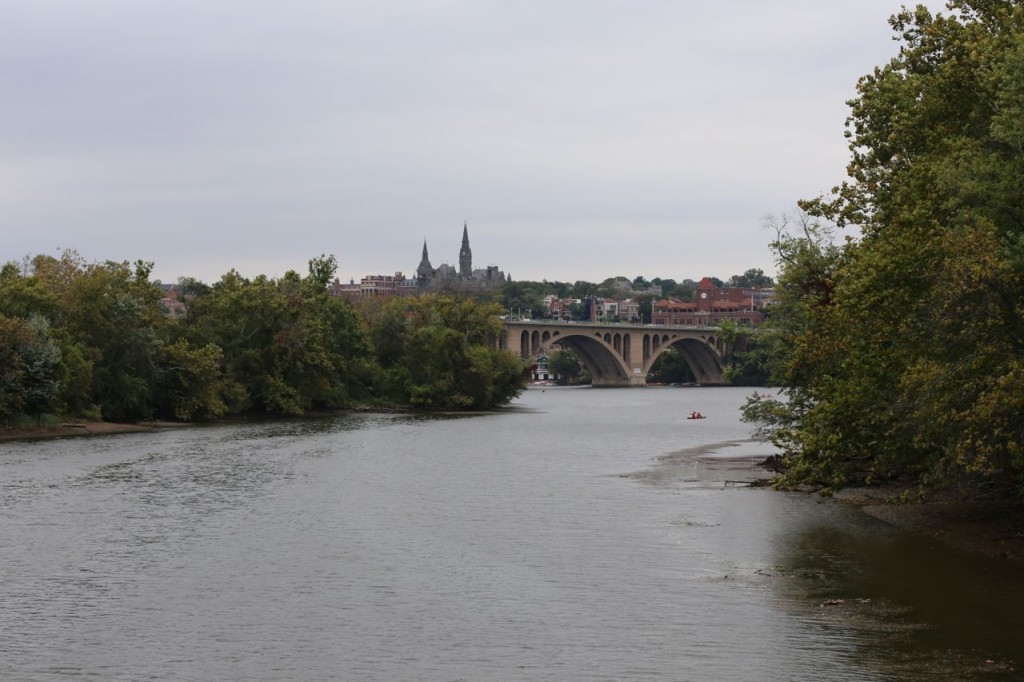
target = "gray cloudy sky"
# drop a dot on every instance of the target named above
(580, 139)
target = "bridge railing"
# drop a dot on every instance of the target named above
(610, 325)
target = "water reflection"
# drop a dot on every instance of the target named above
(917, 609)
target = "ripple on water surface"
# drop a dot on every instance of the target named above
(581, 535)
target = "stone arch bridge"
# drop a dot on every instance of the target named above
(621, 354)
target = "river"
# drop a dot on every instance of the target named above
(579, 534)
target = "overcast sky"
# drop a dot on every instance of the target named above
(580, 139)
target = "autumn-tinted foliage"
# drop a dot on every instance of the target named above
(91, 339)
(903, 350)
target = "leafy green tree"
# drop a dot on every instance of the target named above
(75, 398)
(525, 298)
(566, 366)
(905, 345)
(609, 288)
(753, 277)
(646, 309)
(24, 295)
(668, 286)
(581, 289)
(559, 289)
(13, 336)
(17, 340)
(105, 320)
(685, 290)
(440, 352)
(192, 383)
(91, 339)
(40, 359)
(29, 368)
(747, 360)
(288, 346)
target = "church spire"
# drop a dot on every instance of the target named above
(425, 270)
(465, 254)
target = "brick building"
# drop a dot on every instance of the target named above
(712, 305)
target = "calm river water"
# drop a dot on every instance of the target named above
(581, 534)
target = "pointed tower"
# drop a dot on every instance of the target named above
(465, 255)
(425, 271)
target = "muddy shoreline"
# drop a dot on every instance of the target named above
(84, 428)
(964, 520)
(988, 527)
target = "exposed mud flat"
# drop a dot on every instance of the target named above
(714, 464)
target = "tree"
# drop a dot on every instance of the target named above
(668, 286)
(524, 298)
(646, 308)
(685, 290)
(565, 365)
(40, 359)
(288, 346)
(192, 384)
(107, 321)
(582, 289)
(610, 288)
(753, 277)
(905, 344)
(440, 352)
(29, 360)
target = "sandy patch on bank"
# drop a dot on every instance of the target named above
(736, 462)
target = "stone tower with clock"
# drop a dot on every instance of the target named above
(705, 298)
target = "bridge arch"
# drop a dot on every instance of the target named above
(703, 356)
(607, 368)
(622, 354)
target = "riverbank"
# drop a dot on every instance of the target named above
(987, 527)
(85, 428)
(72, 428)
(959, 518)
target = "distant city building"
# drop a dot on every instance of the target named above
(446, 277)
(172, 302)
(599, 309)
(428, 278)
(561, 308)
(713, 305)
(350, 291)
(539, 369)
